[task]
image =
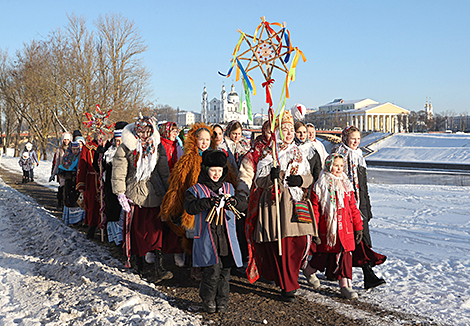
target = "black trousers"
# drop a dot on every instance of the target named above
(215, 287)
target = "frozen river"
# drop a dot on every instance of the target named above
(417, 177)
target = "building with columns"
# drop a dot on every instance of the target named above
(365, 114)
(225, 109)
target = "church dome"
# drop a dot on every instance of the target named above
(233, 96)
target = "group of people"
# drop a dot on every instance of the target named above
(272, 208)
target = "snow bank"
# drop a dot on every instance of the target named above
(429, 148)
(50, 274)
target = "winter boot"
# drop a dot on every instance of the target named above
(349, 293)
(288, 296)
(24, 180)
(160, 273)
(370, 279)
(91, 232)
(139, 264)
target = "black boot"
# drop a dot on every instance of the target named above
(161, 273)
(370, 279)
(139, 263)
(24, 180)
(288, 296)
(91, 232)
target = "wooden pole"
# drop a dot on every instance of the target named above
(100, 162)
(278, 214)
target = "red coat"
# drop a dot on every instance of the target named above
(349, 220)
(88, 180)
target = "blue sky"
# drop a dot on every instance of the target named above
(391, 51)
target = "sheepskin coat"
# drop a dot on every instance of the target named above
(144, 193)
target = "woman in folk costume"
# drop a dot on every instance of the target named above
(308, 150)
(169, 134)
(140, 180)
(294, 177)
(234, 142)
(219, 143)
(104, 166)
(356, 170)
(72, 214)
(312, 137)
(58, 160)
(340, 226)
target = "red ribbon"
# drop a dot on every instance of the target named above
(266, 84)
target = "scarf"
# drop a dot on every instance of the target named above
(291, 161)
(165, 129)
(354, 159)
(145, 158)
(331, 190)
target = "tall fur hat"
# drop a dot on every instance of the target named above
(213, 157)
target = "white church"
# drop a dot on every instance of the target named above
(224, 110)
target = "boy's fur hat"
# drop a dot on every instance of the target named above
(213, 157)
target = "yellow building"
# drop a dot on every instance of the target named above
(366, 115)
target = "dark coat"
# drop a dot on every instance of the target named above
(364, 205)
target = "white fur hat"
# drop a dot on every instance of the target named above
(29, 146)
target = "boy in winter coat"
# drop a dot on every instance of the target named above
(215, 246)
(26, 164)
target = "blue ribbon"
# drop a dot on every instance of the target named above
(245, 75)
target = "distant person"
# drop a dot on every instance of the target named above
(235, 142)
(309, 151)
(339, 226)
(58, 160)
(312, 137)
(72, 214)
(76, 133)
(356, 170)
(28, 148)
(26, 164)
(215, 247)
(218, 142)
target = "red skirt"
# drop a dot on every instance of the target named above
(171, 242)
(337, 265)
(146, 230)
(364, 254)
(92, 201)
(283, 270)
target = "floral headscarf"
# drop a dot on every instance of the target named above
(147, 147)
(165, 129)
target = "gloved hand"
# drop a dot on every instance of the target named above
(215, 201)
(316, 240)
(294, 181)
(275, 173)
(52, 178)
(232, 201)
(358, 236)
(124, 202)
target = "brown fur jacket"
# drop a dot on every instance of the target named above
(183, 176)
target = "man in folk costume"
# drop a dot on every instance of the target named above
(140, 180)
(88, 180)
(293, 177)
(356, 170)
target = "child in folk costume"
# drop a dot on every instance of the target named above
(215, 246)
(28, 148)
(294, 177)
(140, 180)
(308, 150)
(340, 226)
(72, 214)
(320, 148)
(58, 157)
(114, 218)
(234, 142)
(26, 164)
(356, 170)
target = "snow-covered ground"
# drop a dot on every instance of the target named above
(50, 274)
(429, 148)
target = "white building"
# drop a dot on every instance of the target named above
(225, 109)
(428, 109)
(187, 118)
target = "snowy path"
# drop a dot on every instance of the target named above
(50, 274)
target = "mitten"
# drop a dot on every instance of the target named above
(275, 173)
(215, 201)
(232, 201)
(124, 202)
(52, 178)
(358, 236)
(317, 240)
(294, 181)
